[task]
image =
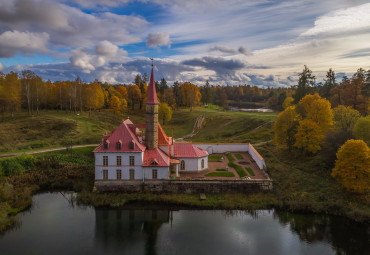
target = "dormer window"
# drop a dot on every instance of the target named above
(105, 145)
(154, 163)
(132, 145)
(119, 145)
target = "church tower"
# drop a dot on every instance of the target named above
(151, 130)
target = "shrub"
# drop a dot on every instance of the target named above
(238, 156)
(220, 169)
(221, 174)
(230, 157)
(238, 169)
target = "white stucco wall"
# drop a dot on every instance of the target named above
(193, 164)
(229, 147)
(163, 172)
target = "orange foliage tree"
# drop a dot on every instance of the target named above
(352, 167)
(190, 94)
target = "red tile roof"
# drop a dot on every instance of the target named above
(124, 134)
(152, 94)
(162, 137)
(188, 150)
(155, 157)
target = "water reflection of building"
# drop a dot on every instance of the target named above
(131, 231)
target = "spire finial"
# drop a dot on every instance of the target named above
(152, 59)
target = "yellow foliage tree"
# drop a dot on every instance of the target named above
(190, 94)
(361, 129)
(285, 127)
(288, 102)
(345, 118)
(309, 136)
(115, 104)
(352, 167)
(165, 112)
(318, 110)
(94, 96)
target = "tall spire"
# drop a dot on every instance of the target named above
(152, 94)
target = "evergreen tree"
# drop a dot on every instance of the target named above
(305, 83)
(329, 84)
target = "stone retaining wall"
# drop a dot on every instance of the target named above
(185, 186)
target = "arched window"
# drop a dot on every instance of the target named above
(182, 165)
(202, 164)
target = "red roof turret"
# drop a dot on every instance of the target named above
(152, 94)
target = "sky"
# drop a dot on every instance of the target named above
(257, 42)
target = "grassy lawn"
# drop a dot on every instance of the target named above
(221, 174)
(215, 158)
(238, 156)
(250, 171)
(230, 157)
(238, 169)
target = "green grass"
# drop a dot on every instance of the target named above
(215, 158)
(221, 174)
(221, 169)
(238, 156)
(230, 157)
(238, 169)
(250, 171)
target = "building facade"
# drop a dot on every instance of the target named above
(126, 154)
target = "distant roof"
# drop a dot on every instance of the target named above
(155, 157)
(124, 135)
(188, 150)
(152, 94)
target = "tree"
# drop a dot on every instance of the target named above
(177, 94)
(345, 118)
(190, 94)
(115, 104)
(329, 84)
(318, 110)
(361, 129)
(27, 77)
(285, 127)
(352, 167)
(164, 112)
(138, 80)
(305, 82)
(288, 102)
(134, 95)
(309, 136)
(12, 92)
(94, 96)
(223, 99)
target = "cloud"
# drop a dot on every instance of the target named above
(342, 21)
(158, 39)
(1, 66)
(12, 42)
(106, 48)
(245, 51)
(222, 49)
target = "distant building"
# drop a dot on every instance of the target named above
(126, 154)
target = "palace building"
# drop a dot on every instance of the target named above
(128, 154)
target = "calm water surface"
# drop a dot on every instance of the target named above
(54, 226)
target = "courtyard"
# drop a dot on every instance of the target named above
(228, 166)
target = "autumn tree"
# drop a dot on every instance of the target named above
(361, 129)
(190, 94)
(94, 96)
(345, 118)
(115, 104)
(352, 167)
(305, 82)
(12, 92)
(164, 112)
(288, 102)
(309, 136)
(177, 93)
(134, 95)
(285, 127)
(27, 77)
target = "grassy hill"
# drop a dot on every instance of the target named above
(57, 128)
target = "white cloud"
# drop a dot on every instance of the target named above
(106, 48)
(12, 42)
(158, 39)
(1, 66)
(342, 21)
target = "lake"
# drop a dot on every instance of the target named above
(54, 226)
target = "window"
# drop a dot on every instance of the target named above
(119, 160)
(119, 174)
(202, 163)
(105, 146)
(105, 160)
(119, 146)
(132, 174)
(154, 174)
(132, 145)
(132, 160)
(182, 165)
(105, 174)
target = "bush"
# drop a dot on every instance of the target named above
(221, 174)
(238, 156)
(250, 171)
(238, 169)
(220, 169)
(230, 157)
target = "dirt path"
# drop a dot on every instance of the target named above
(197, 125)
(44, 150)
